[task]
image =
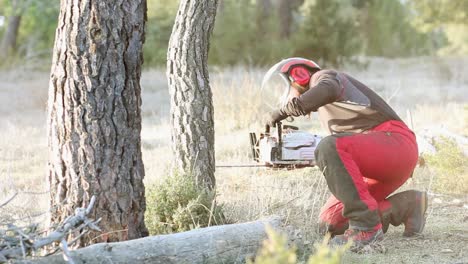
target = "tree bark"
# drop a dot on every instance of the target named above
(218, 244)
(94, 116)
(191, 97)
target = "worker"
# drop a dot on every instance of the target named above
(369, 153)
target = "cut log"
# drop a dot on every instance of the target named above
(218, 244)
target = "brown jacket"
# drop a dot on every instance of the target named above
(343, 103)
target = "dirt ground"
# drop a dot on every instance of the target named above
(444, 240)
(247, 194)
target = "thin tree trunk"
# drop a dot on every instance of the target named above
(10, 37)
(191, 97)
(9, 41)
(286, 10)
(221, 6)
(94, 116)
(264, 8)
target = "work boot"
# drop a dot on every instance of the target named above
(408, 208)
(416, 219)
(360, 238)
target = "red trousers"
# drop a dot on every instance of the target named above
(361, 171)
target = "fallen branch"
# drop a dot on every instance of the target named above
(9, 199)
(16, 243)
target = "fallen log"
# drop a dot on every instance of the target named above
(217, 244)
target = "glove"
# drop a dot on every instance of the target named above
(273, 117)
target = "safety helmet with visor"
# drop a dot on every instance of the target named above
(295, 72)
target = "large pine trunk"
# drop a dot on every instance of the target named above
(94, 116)
(191, 97)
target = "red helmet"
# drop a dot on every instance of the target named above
(286, 65)
(293, 70)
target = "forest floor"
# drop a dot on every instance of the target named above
(433, 91)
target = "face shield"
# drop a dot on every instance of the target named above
(276, 87)
(277, 82)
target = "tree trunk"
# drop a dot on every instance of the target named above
(191, 98)
(263, 11)
(218, 244)
(94, 116)
(11, 35)
(286, 10)
(221, 6)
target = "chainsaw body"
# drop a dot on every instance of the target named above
(287, 147)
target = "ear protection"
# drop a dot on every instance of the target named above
(300, 75)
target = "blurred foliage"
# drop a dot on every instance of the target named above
(161, 16)
(386, 27)
(329, 31)
(37, 32)
(178, 204)
(325, 254)
(447, 17)
(433, 13)
(37, 27)
(275, 250)
(451, 166)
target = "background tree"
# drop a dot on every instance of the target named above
(28, 33)
(94, 116)
(9, 40)
(268, 30)
(191, 97)
(263, 14)
(287, 9)
(37, 31)
(228, 39)
(161, 16)
(445, 21)
(329, 32)
(385, 30)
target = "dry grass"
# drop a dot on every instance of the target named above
(434, 91)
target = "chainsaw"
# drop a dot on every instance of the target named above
(284, 147)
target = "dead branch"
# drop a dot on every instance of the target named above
(9, 200)
(18, 242)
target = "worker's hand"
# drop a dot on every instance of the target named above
(273, 117)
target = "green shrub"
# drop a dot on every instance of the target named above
(178, 204)
(451, 167)
(275, 250)
(325, 254)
